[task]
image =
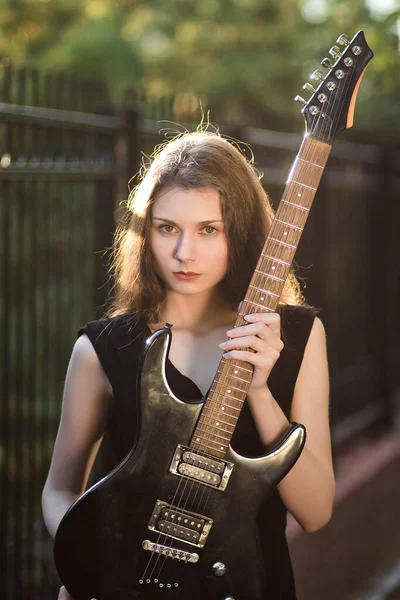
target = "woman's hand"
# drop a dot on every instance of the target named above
(263, 335)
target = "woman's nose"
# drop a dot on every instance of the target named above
(185, 248)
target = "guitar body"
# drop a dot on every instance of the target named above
(99, 544)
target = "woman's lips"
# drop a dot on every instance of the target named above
(187, 276)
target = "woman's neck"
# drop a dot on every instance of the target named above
(197, 313)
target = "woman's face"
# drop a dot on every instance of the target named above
(187, 236)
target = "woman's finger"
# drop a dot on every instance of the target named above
(258, 330)
(273, 320)
(246, 341)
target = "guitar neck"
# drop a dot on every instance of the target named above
(228, 391)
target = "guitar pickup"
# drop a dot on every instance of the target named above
(180, 524)
(203, 468)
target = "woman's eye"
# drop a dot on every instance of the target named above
(208, 227)
(163, 228)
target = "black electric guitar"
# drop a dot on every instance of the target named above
(176, 519)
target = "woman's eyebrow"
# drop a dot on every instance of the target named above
(198, 224)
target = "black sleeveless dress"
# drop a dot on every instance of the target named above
(118, 344)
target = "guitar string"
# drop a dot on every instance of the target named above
(194, 485)
(177, 513)
(162, 536)
(251, 300)
(177, 504)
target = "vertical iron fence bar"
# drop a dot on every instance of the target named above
(18, 402)
(5, 513)
(34, 463)
(385, 317)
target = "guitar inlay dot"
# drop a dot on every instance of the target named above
(222, 407)
(285, 233)
(299, 195)
(197, 439)
(262, 298)
(217, 423)
(235, 371)
(229, 391)
(273, 268)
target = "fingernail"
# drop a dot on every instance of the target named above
(247, 317)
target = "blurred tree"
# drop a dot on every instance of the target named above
(250, 56)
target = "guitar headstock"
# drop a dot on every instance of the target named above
(331, 106)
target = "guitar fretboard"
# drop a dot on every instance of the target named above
(227, 394)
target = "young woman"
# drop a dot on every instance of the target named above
(195, 227)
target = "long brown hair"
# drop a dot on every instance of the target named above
(192, 160)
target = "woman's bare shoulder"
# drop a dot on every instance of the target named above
(84, 357)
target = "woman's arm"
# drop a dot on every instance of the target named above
(86, 404)
(308, 489)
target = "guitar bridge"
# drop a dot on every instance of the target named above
(203, 468)
(179, 524)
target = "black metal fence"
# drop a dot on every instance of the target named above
(65, 160)
(59, 171)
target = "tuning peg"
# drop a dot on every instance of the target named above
(335, 52)
(343, 40)
(317, 75)
(326, 62)
(309, 88)
(300, 99)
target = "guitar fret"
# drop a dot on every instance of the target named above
(308, 162)
(225, 395)
(220, 451)
(237, 366)
(213, 432)
(303, 185)
(198, 441)
(234, 376)
(228, 385)
(289, 224)
(278, 260)
(219, 444)
(215, 428)
(216, 413)
(283, 243)
(262, 305)
(226, 380)
(222, 395)
(231, 407)
(296, 205)
(266, 291)
(219, 411)
(205, 430)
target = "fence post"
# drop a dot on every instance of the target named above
(127, 150)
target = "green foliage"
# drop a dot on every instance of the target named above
(252, 55)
